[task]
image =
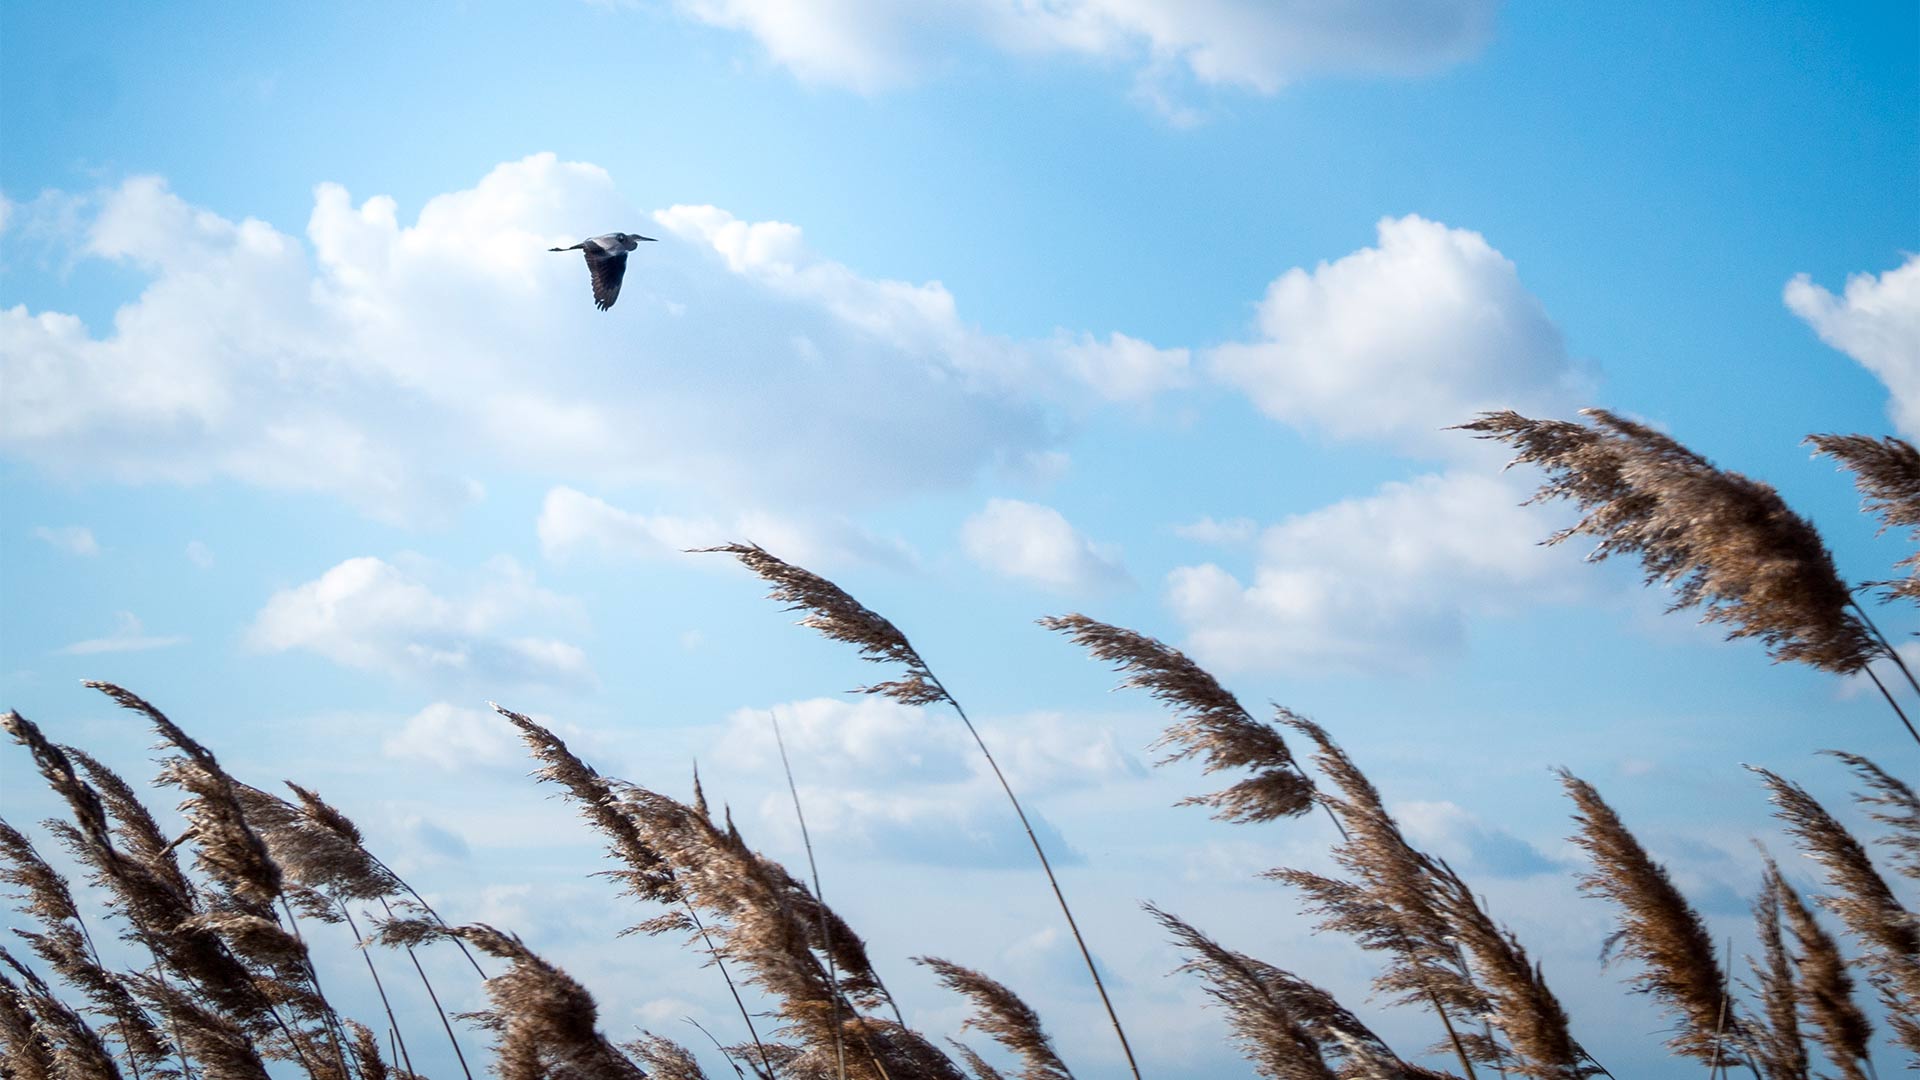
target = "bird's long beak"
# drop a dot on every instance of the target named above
(637, 236)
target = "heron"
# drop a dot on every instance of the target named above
(607, 262)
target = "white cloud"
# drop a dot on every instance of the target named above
(909, 783)
(1030, 542)
(1877, 322)
(454, 738)
(72, 539)
(199, 554)
(1383, 581)
(128, 636)
(1228, 533)
(1398, 341)
(1254, 44)
(1122, 368)
(369, 614)
(572, 522)
(390, 363)
(1455, 834)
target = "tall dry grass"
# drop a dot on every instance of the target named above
(224, 983)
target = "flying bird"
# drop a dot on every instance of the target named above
(607, 262)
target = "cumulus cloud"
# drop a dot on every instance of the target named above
(454, 738)
(1397, 341)
(1877, 322)
(572, 522)
(1387, 580)
(1122, 368)
(389, 363)
(72, 539)
(908, 783)
(1453, 833)
(1253, 44)
(1029, 542)
(128, 636)
(373, 615)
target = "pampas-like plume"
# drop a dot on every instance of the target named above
(1824, 988)
(1391, 903)
(1775, 1036)
(25, 1052)
(762, 917)
(76, 1051)
(1725, 543)
(1887, 472)
(998, 1012)
(544, 1022)
(1658, 928)
(1213, 725)
(664, 1058)
(836, 614)
(1888, 933)
(1287, 1027)
(1902, 813)
(68, 949)
(151, 894)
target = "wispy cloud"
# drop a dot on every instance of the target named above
(72, 539)
(127, 636)
(1254, 45)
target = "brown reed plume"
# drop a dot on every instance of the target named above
(248, 884)
(1887, 472)
(73, 1049)
(545, 1024)
(836, 614)
(160, 906)
(1725, 543)
(1774, 1037)
(1823, 986)
(758, 915)
(1213, 725)
(1000, 1014)
(1901, 813)
(664, 1059)
(1390, 903)
(644, 873)
(1287, 1027)
(25, 1050)
(1659, 929)
(66, 946)
(1889, 934)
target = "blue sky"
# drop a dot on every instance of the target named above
(1151, 311)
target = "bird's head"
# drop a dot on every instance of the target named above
(633, 238)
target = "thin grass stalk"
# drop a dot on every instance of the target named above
(1898, 661)
(428, 908)
(398, 1045)
(1053, 881)
(435, 998)
(724, 1056)
(837, 615)
(726, 976)
(330, 1018)
(1459, 1050)
(1897, 710)
(813, 868)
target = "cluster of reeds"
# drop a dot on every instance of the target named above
(225, 985)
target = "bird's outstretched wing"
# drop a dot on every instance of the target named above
(607, 269)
